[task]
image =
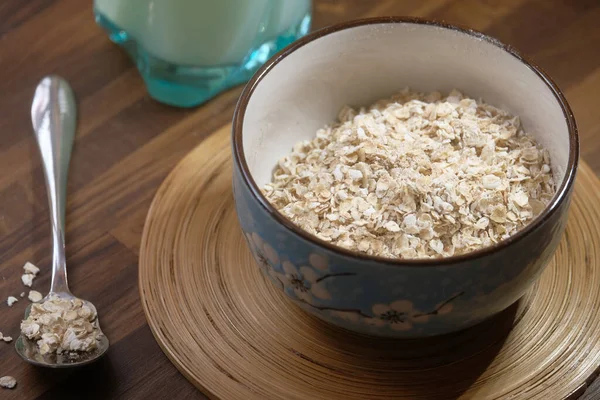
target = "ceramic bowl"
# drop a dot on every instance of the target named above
(302, 89)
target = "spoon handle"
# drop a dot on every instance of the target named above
(53, 114)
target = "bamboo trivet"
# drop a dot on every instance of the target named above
(236, 337)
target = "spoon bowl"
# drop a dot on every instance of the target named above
(29, 351)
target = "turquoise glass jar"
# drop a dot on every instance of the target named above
(188, 51)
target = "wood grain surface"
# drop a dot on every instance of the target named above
(127, 144)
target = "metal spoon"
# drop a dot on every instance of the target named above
(53, 114)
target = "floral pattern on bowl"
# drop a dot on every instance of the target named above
(307, 284)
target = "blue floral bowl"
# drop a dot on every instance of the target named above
(303, 87)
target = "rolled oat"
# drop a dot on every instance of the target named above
(29, 268)
(27, 279)
(35, 296)
(60, 325)
(415, 176)
(8, 382)
(30, 273)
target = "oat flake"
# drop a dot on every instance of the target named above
(29, 268)
(35, 296)
(8, 382)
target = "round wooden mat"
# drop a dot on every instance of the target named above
(236, 337)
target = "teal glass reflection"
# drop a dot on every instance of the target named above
(188, 51)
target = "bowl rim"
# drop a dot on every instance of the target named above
(240, 159)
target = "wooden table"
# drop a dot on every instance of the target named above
(127, 144)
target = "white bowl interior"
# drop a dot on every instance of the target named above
(360, 65)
